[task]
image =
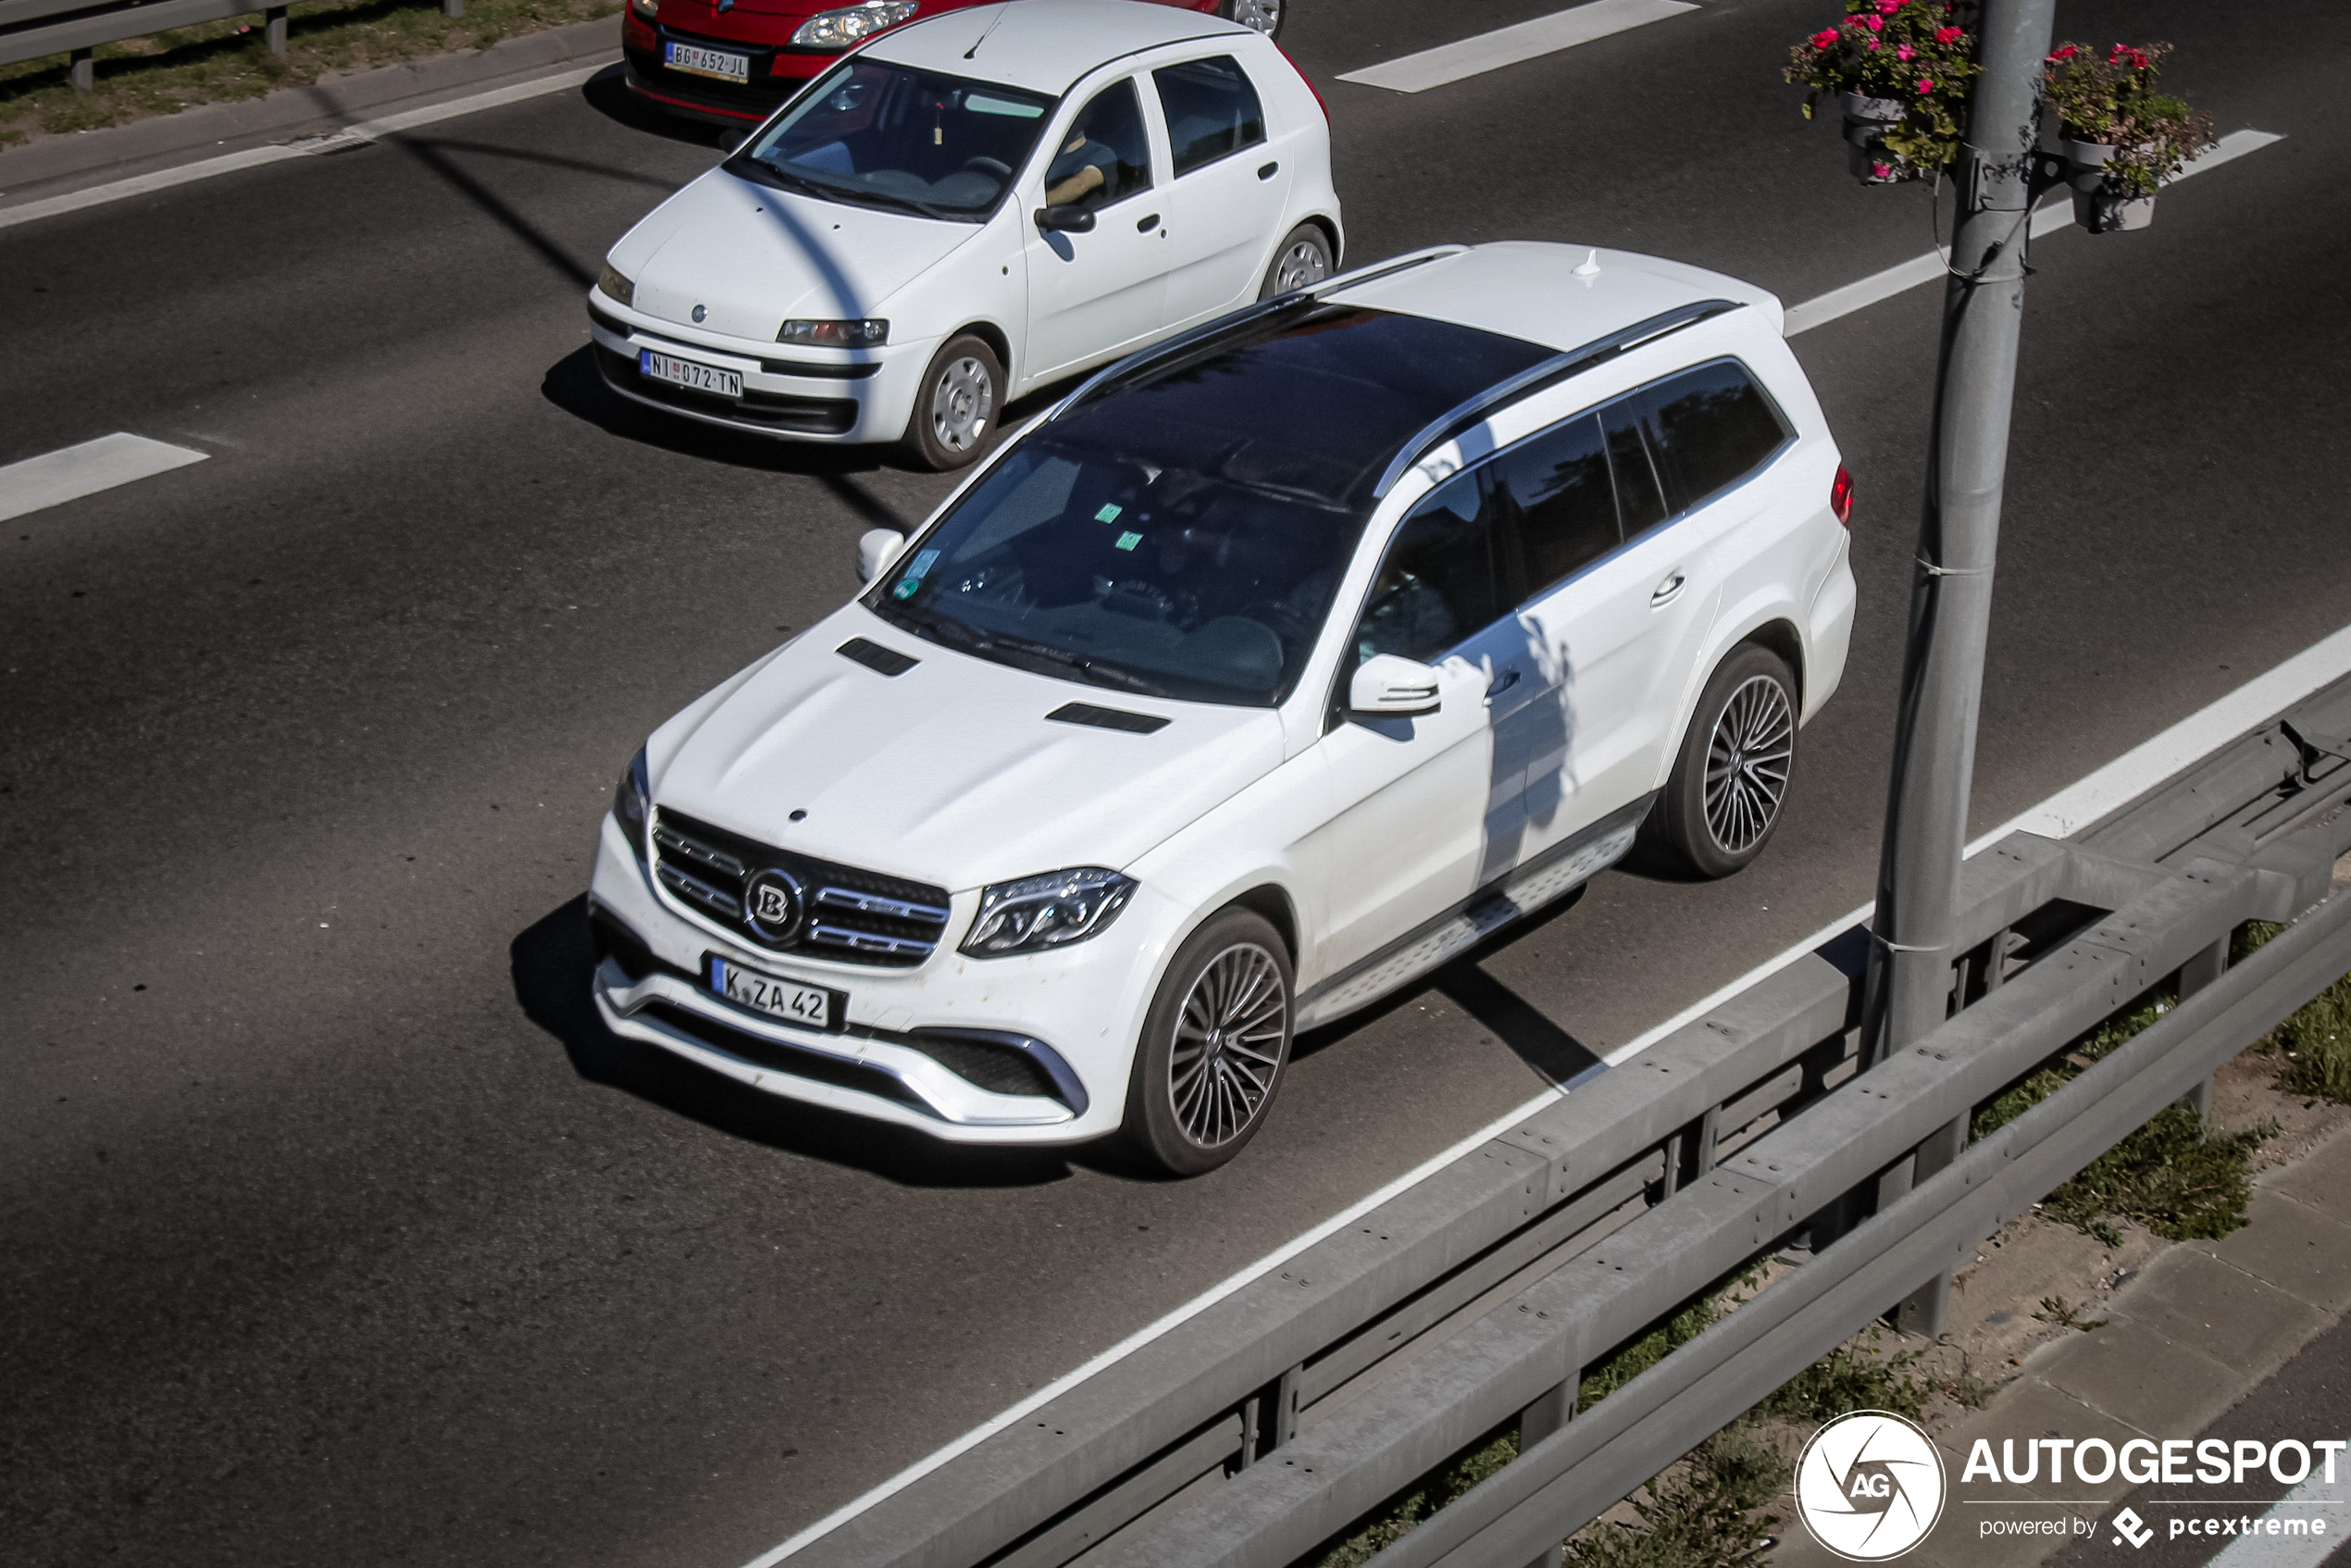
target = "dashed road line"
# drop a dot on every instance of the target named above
(72, 472)
(1509, 46)
(1880, 286)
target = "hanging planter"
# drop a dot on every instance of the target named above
(1900, 71)
(2121, 138)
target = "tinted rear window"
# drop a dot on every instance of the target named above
(1713, 426)
(1212, 110)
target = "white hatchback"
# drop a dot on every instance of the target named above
(966, 209)
(1272, 668)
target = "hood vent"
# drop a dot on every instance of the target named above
(874, 656)
(1107, 718)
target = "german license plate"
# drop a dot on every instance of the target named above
(707, 62)
(689, 373)
(812, 1007)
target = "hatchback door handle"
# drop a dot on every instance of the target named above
(1667, 591)
(1144, 226)
(1502, 682)
(1269, 171)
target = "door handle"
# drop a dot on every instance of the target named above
(1502, 682)
(1145, 225)
(1667, 592)
(1267, 171)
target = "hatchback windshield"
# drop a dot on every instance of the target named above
(1183, 537)
(884, 135)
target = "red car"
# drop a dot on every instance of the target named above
(733, 61)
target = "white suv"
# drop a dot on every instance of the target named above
(1271, 669)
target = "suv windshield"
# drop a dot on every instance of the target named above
(1182, 537)
(883, 135)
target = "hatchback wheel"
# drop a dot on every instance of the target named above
(1213, 1046)
(955, 406)
(1262, 16)
(1730, 782)
(1304, 259)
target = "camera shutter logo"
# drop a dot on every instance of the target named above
(772, 906)
(1870, 1486)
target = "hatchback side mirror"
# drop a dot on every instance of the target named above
(876, 548)
(1065, 219)
(1387, 687)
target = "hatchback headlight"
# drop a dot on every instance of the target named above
(612, 282)
(838, 29)
(632, 803)
(1054, 910)
(835, 334)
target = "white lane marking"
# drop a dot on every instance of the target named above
(228, 163)
(2317, 1500)
(1507, 46)
(72, 472)
(2087, 799)
(1925, 268)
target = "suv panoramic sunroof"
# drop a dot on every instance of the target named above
(1316, 405)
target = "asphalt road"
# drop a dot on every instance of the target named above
(335, 1231)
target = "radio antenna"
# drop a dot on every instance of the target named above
(985, 31)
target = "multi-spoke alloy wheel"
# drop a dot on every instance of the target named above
(1230, 1040)
(1214, 1045)
(1729, 781)
(1747, 763)
(954, 416)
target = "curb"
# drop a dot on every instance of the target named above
(63, 165)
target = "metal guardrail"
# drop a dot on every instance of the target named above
(1270, 1423)
(30, 29)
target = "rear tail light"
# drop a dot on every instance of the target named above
(1310, 85)
(1841, 496)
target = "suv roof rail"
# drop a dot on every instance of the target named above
(1545, 373)
(1182, 346)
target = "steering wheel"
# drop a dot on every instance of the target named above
(989, 166)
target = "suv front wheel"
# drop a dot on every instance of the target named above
(1213, 1046)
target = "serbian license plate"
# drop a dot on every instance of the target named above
(814, 1007)
(690, 375)
(707, 62)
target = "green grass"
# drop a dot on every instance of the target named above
(215, 62)
(2315, 1042)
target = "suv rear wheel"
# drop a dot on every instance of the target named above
(1214, 1046)
(1723, 798)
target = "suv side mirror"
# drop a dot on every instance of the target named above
(876, 548)
(1065, 219)
(1387, 687)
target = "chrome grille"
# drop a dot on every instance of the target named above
(852, 915)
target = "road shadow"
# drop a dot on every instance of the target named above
(607, 94)
(551, 965)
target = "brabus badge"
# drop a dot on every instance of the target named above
(772, 906)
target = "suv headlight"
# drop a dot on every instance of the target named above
(612, 282)
(838, 29)
(632, 803)
(1054, 910)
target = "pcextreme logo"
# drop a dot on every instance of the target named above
(1870, 1486)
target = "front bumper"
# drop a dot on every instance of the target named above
(777, 72)
(1083, 1004)
(797, 394)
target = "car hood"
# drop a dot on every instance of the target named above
(949, 773)
(753, 257)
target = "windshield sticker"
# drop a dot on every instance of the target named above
(907, 587)
(1129, 541)
(1109, 514)
(922, 565)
